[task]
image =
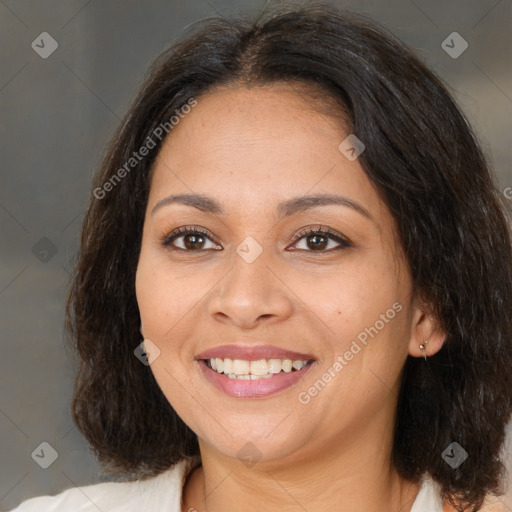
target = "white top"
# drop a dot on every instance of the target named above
(428, 498)
(161, 493)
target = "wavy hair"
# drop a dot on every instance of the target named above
(429, 169)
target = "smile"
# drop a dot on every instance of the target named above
(275, 375)
(242, 369)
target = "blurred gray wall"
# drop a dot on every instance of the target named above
(56, 115)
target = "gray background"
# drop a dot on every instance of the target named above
(57, 114)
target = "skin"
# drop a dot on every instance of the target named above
(250, 149)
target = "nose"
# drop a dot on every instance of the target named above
(249, 294)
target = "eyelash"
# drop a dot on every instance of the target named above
(190, 230)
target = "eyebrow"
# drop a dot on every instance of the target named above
(289, 207)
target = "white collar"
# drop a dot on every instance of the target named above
(428, 498)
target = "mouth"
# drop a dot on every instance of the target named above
(255, 372)
(243, 369)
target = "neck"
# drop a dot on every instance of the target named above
(355, 477)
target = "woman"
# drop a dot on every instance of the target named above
(297, 220)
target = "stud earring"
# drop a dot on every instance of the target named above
(422, 348)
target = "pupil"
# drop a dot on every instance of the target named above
(190, 240)
(319, 241)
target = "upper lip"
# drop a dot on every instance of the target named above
(252, 353)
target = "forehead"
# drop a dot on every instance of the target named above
(258, 145)
(231, 123)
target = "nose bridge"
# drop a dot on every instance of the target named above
(249, 278)
(250, 269)
(250, 290)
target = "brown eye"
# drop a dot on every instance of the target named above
(186, 239)
(317, 242)
(192, 241)
(320, 240)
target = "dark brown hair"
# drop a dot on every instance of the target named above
(428, 167)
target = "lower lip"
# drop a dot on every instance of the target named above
(259, 388)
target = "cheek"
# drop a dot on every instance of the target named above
(163, 295)
(157, 303)
(351, 297)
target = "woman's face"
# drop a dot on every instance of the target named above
(254, 287)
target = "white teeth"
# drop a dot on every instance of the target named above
(298, 364)
(247, 377)
(274, 365)
(259, 367)
(228, 366)
(241, 367)
(254, 370)
(286, 365)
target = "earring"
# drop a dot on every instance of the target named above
(422, 348)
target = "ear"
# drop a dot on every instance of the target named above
(425, 331)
